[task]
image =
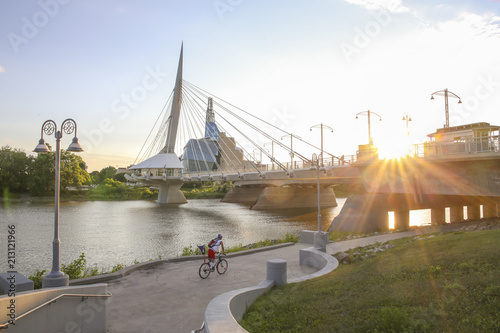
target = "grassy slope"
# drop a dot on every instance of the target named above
(446, 283)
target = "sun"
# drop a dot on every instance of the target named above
(391, 149)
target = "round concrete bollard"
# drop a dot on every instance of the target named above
(276, 271)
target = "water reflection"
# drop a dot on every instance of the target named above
(124, 231)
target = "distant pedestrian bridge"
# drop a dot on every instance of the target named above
(221, 142)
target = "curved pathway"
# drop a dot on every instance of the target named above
(171, 297)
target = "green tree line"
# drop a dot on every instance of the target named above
(22, 174)
(35, 175)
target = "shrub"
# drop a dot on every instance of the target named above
(76, 268)
(190, 251)
(117, 267)
(37, 278)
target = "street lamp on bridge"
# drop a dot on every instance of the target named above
(407, 118)
(257, 149)
(291, 146)
(321, 126)
(446, 93)
(56, 278)
(369, 113)
(272, 151)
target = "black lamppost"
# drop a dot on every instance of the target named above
(56, 278)
(446, 93)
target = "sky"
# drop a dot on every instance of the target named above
(111, 65)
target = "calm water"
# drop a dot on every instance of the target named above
(123, 231)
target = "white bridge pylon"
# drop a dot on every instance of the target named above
(204, 138)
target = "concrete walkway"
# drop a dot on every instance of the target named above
(171, 297)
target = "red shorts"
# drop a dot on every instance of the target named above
(211, 253)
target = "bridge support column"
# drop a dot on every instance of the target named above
(294, 197)
(171, 194)
(456, 213)
(473, 212)
(248, 195)
(401, 219)
(438, 215)
(362, 213)
(490, 210)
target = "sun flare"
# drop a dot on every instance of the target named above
(394, 149)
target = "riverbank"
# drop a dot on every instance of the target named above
(86, 272)
(93, 195)
(123, 232)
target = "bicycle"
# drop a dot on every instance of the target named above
(220, 264)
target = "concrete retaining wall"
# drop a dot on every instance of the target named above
(67, 314)
(317, 259)
(224, 311)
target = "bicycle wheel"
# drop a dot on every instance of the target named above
(222, 266)
(204, 270)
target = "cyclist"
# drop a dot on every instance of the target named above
(213, 248)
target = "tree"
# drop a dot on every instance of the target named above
(95, 177)
(72, 173)
(73, 170)
(41, 180)
(105, 173)
(108, 172)
(15, 168)
(120, 177)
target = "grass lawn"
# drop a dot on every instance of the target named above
(443, 283)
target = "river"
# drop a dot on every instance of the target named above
(121, 232)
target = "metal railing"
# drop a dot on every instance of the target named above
(83, 296)
(258, 168)
(481, 145)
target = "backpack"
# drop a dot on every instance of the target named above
(212, 243)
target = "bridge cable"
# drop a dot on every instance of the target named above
(147, 138)
(223, 151)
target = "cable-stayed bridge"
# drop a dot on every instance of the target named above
(201, 137)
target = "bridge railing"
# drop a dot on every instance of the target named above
(147, 173)
(490, 144)
(333, 161)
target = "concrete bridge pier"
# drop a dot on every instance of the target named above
(401, 219)
(490, 210)
(438, 215)
(456, 213)
(245, 195)
(295, 197)
(171, 194)
(363, 213)
(473, 212)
